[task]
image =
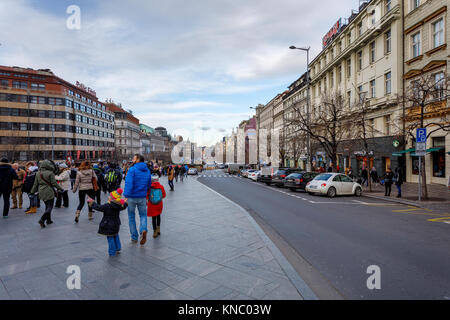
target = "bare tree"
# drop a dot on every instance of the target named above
(426, 106)
(329, 124)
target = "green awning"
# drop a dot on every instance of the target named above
(402, 153)
(413, 154)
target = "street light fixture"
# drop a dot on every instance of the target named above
(308, 138)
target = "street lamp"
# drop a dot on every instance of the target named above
(308, 137)
(257, 134)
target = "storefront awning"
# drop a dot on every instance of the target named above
(402, 153)
(413, 154)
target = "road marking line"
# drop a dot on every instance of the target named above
(443, 219)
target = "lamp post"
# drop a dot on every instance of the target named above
(308, 111)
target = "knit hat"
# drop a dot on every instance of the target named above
(117, 196)
(155, 178)
(63, 165)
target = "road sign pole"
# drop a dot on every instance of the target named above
(420, 178)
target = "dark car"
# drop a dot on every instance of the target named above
(281, 174)
(298, 180)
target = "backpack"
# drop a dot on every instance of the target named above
(111, 178)
(155, 196)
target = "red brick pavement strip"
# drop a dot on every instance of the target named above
(439, 195)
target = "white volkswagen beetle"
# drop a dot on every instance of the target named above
(333, 184)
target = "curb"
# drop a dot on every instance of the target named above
(301, 286)
(389, 199)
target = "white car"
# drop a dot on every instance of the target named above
(333, 184)
(253, 175)
(192, 171)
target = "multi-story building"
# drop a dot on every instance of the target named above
(361, 61)
(153, 145)
(295, 101)
(427, 58)
(45, 117)
(278, 130)
(128, 133)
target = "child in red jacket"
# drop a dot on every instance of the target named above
(155, 197)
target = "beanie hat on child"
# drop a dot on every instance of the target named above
(117, 196)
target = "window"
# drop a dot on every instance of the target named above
(388, 5)
(360, 28)
(349, 68)
(349, 39)
(415, 4)
(372, 89)
(439, 84)
(439, 157)
(388, 83)
(373, 19)
(387, 42)
(349, 97)
(4, 83)
(359, 60)
(339, 74)
(372, 52)
(361, 94)
(415, 40)
(438, 33)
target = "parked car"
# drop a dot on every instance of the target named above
(333, 184)
(281, 174)
(267, 174)
(253, 174)
(192, 171)
(298, 180)
(248, 171)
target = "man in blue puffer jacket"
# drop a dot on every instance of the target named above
(137, 184)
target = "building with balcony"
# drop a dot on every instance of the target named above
(427, 59)
(128, 132)
(361, 61)
(45, 117)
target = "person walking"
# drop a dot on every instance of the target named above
(100, 182)
(7, 175)
(155, 198)
(398, 180)
(73, 175)
(32, 170)
(16, 193)
(113, 178)
(85, 184)
(374, 175)
(170, 177)
(182, 173)
(388, 180)
(45, 184)
(63, 179)
(365, 176)
(110, 224)
(177, 172)
(137, 184)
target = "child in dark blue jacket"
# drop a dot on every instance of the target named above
(110, 224)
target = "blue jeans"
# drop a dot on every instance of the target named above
(141, 204)
(113, 245)
(33, 200)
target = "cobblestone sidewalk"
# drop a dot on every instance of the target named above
(209, 249)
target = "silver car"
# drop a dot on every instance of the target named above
(333, 184)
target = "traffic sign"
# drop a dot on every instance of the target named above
(421, 135)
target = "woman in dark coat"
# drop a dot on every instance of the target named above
(7, 175)
(388, 180)
(398, 179)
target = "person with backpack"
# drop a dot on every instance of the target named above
(113, 178)
(45, 184)
(86, 185)
(100, 181)
(110, 224)
(31, 170)
(155, 198)
(7, 175)
(137, 184)
(63, 180)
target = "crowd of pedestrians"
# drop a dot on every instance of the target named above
(48, 181)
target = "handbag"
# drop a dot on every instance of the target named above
(50, 185)
(94, 183)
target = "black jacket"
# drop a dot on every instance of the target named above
(388, 177)
(7, 175)
(110, 224)
(29, 181)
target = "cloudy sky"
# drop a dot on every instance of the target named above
(193, 66)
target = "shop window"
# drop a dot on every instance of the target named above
(439, 157)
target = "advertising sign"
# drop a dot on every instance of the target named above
(333, 31)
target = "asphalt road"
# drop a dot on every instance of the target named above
(342, 237)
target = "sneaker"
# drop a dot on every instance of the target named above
(143, 238)
(49, 222)
(41, 223)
